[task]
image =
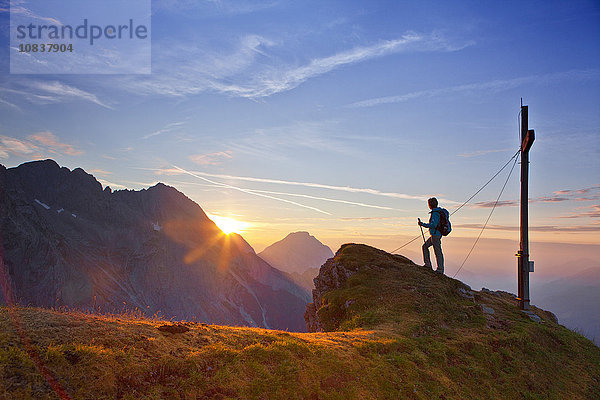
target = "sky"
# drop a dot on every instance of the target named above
(338, 117)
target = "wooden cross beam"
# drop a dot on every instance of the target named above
(528, 140)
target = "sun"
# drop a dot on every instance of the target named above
(229, 225)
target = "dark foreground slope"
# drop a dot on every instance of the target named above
(396, 331)
(64, 241)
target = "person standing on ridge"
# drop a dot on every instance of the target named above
(435, 230)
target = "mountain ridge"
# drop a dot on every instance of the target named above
(68, 242)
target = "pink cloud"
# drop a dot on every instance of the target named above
(52, 144)
(550, 199)
(501, 203)
(12, 146)
(571, 192)
(594, 212)
(36, 146)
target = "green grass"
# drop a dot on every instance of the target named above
(405, 334)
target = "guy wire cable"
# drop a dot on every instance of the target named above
(488, 218)
(469, 199)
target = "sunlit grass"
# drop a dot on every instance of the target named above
(407, 334)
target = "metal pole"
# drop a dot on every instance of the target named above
(527, 138)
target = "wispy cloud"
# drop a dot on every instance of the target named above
(250, 192)
(254, 69)
(173, 126)
(48, 92)
(289, 78)
(9, 104)
(493, 86)
(349, 189)
(354, 203)
(30, 96)
(211, 158)
(64, 91)
(305, 196)
(184, 68)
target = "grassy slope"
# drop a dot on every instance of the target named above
(406, 334)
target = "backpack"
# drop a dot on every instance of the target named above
(444, 225)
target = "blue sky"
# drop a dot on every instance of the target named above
(336, 117)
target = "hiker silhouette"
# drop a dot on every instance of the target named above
(435, 239)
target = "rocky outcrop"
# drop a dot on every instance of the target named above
(349, 259)
(67, 242)
(332, 275)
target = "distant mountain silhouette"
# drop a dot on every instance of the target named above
(68, 242)
(298, 254)
(575, 300)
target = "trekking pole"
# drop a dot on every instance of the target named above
(422, 234)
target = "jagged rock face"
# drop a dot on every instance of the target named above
(67, 242)
(296, 253)
(332, 275)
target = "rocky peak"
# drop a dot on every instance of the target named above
(296, 253)
(54, 187)
(85, 181)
